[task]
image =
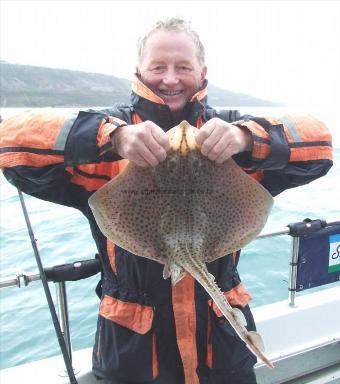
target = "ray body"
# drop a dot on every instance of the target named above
(186, 211)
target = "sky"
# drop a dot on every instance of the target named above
(285, 51)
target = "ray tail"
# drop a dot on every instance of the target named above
(235, 316)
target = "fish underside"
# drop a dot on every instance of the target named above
(183, 213)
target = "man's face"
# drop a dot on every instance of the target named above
(171, 69)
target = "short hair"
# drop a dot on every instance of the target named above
(173, 24)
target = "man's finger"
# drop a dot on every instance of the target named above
(148, 156)
(205, 132)
(225, 155)
(139, 160)
(156, 148)
(215, 150)
(160, 137)
(215, 143)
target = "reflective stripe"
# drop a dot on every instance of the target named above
(209, 356)
(90, 184)
(289, 124)
(142, 90)
(154, 357)
(136, 119)
(64, 132)
(200, 122)
(111, 254)
(311, 153)
(183, 303)
(134, 316)
(10, 159)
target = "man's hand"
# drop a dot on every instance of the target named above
(220, 140)
(145, 144)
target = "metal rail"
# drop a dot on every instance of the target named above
(293, 272)
(20, 280)
(63, 316)
(57, 274)
(286, 230)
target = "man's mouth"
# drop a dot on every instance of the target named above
(169, 93)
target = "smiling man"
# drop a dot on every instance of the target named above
(148, 330)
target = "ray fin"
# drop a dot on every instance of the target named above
(256, 340)
(239, 316)
(166, 271)
(174, 271)
(177, 273)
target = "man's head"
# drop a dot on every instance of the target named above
(171, 62)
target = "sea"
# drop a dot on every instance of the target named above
(63, 236)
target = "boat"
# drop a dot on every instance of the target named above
(301, 334)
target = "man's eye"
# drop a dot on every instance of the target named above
(184, 68)
(157, 69)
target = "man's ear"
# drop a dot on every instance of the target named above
(138, 73)
(204, 71)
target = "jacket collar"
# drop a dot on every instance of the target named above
(149, 106)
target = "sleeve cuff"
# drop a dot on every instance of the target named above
(270, 147)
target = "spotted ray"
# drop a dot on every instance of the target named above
(184, 212)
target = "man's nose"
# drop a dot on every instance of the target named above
(170, 77)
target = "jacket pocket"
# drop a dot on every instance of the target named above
(126, 342)
(225, 348)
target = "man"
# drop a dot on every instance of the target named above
(149, 331)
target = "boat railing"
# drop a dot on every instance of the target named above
(299, 232)
(326, 234)
(59, 275)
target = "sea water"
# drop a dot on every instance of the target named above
(63, 236)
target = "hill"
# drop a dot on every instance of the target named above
(33, 86)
